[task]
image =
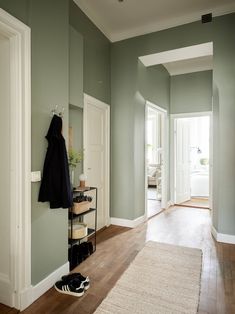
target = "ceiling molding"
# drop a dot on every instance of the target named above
(183, 60)
(150, 27)
(184, 53)
(155, 27)
(190, 65)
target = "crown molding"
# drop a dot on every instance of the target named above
(170, 23)
(152, 27)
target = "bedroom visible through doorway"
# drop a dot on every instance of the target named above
(192, 161)
(155, 123)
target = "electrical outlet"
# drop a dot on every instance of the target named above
(35, 176)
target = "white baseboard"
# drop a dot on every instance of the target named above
(221, 237)
(169, 204)
(127, 222)
(34, 292)
(214, 232)
(139, 221)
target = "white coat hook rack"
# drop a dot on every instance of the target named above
(61, 113)
(56, 112)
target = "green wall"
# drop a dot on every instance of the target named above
(76, 58)
(96, 55)
(191, 92)
(53, 43)
(50, 57)
(224, 81)
(216, 152)
(131, 85)
(17, 8)
(126, 121)
(49, 22)
(75, 68)
(154, 84)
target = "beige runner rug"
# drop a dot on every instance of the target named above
(163, 278)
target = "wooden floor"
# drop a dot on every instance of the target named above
(197, 202)
(6, 310)
(153, 208)
(153, 205)
(117, 247)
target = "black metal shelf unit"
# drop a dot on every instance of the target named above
(77, 247)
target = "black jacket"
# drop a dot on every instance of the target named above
(55, 186)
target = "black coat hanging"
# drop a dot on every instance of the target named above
(55, 186)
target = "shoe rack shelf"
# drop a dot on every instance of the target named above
(91, 232)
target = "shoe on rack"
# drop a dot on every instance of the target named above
(77, 277)
(73, 287)
(84, 250)
(90, 247)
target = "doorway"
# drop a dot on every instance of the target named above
(155, 159)
(192, 160)
(96, 132)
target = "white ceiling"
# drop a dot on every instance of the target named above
(121, 20)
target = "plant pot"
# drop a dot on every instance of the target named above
(71, 174)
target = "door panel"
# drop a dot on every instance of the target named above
(6, 289)
(182, 160)
(95, 151)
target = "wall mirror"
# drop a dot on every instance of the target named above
(76, 138)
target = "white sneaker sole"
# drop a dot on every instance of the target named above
(75, 294)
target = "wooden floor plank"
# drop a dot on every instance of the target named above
(118, 246)
(7, 310)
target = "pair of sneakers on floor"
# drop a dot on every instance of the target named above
(73, 284)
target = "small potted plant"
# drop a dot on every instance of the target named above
(74, 158)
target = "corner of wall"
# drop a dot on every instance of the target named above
(30, 295)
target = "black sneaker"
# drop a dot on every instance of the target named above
(73, 287)
(77, 276)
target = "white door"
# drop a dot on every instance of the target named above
(6, 287)
(159, 153)
(182, 149)
(96, 154)
(163, 158)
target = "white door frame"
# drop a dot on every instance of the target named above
(106, 107)
(173, 118)
(20, 160)
(164, 203)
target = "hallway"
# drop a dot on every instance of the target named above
(117, 247)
